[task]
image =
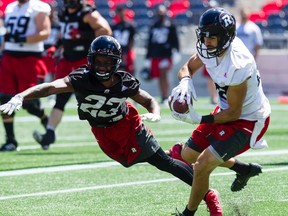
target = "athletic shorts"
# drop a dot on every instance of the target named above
(224, 140)
(19, 73)
(65, 67)
(128, 141)
(160, 63)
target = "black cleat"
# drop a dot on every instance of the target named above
(9, 146)
(241, 180)
(44, 139)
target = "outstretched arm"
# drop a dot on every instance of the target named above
(38, 91)
(45, 89)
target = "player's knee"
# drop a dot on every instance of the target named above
(188, 154)
(61, 101)
(7, 117)
(60, 105)
(4, 98)
(33, 107)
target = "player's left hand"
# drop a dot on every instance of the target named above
(191, 117)
(194, 116)
(14, 104)
(150, 117)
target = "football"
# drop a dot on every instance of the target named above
(177, 106)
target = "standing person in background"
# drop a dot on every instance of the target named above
(51, 54)
(27, 26)
(80, 24)
(249, 33)
(124, 32)
(163, 40)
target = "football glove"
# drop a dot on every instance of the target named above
(50, 52)
(15, 38)
(191, 117)
(185, 90)
(14, 104)
(150, 117)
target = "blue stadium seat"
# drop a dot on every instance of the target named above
(182, 19)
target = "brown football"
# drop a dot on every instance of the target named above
(177, 106)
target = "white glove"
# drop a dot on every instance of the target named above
(194, 116)
(150, 117)
(185, 117)
(185, 88)
(14, 104)
(191, 117)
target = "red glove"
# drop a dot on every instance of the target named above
(50, 51)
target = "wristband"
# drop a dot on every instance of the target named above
(186, 76)
(207, 119)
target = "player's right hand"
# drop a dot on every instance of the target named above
(15, 38)
(14, 104)
(185, 90)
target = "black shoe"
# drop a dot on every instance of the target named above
(44, 139)
(44, 121)
(241, 180)
(9, 146)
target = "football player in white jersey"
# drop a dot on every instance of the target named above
(28, 25)
(243, 112)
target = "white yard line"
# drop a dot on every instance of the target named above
(73, 190)
(112, 163)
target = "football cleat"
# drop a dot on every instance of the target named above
(175, 152)
(44, 139)
(241, 180)
(213, 203)
(9, 146)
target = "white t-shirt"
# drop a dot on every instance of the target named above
(22, 19)
(250, 34)
(235, 66)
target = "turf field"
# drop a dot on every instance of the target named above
(75, 178)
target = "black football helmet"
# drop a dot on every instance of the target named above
(73, 3)
(215, 22)
(104, 46)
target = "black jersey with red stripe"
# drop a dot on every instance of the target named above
(76, 35)
(99, 105)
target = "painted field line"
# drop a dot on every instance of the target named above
(73, 190)
(108, 164)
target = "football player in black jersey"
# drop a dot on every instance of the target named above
(102, 91)
(124, 32)
(80, 24)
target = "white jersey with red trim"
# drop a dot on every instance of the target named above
(21, 19)
(233, 68)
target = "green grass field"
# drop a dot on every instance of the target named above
(75, 178)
